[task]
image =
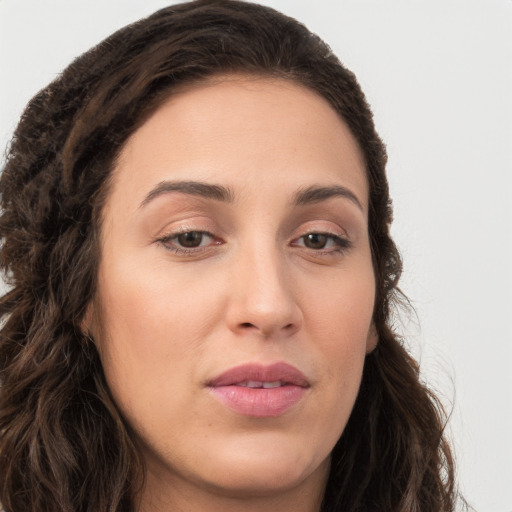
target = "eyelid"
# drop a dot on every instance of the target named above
(341, 243)
(338, 241)
(166, 240)
(321, 226)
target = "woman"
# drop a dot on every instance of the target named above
(195, 225)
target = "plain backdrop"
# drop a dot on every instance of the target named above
(438, 75)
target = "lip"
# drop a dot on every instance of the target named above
(231, 389)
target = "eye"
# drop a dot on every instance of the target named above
(188, 241)
(326, 242)
(192, 239)
(315, 240)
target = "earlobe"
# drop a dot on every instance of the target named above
(372, 340)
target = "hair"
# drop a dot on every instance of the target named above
(63, 444)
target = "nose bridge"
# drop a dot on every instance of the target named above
(263, 298)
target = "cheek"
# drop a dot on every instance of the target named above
(155, 326)
(340, 313)
(339, 322)
(156, 307)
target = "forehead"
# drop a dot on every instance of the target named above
(246, 131)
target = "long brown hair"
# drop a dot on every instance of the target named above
(63, 444)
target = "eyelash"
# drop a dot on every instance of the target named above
(341, 245)
(167, 240)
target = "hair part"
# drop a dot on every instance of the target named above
(63, 444)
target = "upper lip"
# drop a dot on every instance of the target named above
(283, 372)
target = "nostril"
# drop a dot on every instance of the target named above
(247, 325)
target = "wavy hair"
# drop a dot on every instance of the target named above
(63, 444)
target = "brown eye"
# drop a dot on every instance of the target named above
(190, 239)
(190, 242)
(315, 240)
(323, 243)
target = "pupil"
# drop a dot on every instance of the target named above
(190, 239)
(315, 241)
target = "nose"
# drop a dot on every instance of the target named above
(262, 298)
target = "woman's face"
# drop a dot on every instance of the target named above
(236, 288)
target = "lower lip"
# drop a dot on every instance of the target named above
(259, 402)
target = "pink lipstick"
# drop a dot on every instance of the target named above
(260, 391)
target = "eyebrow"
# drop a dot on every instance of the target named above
(316, 194)
(193, 188)
(309, 195)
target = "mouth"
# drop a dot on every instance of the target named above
(258, 384)
(260, 391)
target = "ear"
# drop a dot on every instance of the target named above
(87, 323)
(372, 339)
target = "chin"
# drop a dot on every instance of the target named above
(244, 471)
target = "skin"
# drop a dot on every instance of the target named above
(257, 289)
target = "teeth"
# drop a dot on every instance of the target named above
(260, 384)
(274, 384)
(253, 384)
